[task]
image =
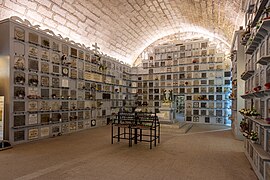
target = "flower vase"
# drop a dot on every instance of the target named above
(253, 142)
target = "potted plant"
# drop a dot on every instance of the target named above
(243, 125)
(254, 113)
(253, 136)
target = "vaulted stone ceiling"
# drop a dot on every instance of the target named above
(124, 28)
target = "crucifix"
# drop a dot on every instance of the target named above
(96, 48)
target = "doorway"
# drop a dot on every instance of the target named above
(179, 107)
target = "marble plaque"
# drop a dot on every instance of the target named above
(45, 81)
(65, 105)
(33, 79)
(19, 62)
(44, 131)
(80, 125)
(56, 58)
(65, 49)
(33, 38)
(88, 104)
(33, 91)
(80, 115)
(65, 93)
(55, 46)
(87, 57)
(44, 106)
(32, 134)
(45, 42)
(87, 66)
(65, 117)
(73, 105)
(33, 65)
(73, 94)
(18, 106)
(44, 118)
(80, 95)
(81, 54)
(19, 92)
(196, 104)
(80, 65)
(55, 129)
(45, 93)
(88, 76)
(73, 62)
(94, 59)
(80, 74)
(73, 74)
(87, 95)
(72, 126)
(19, 48)
(45, 55)
(19, 120)
(33, 119)
(56, 69)
(65, 128)
(33, 51)
(45, 68)
(55, 105)
(65, 71)
(19, 135)
(87, 124)
(87, 114)
(55, 82)
(94, 67)
(80, 85)
(80, 104)
(19, 33)
(55, 93)
(87, 86)
(32, 106)
(65, 83)
(56, 117)
(73, 52)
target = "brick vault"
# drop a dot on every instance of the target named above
(124, 28)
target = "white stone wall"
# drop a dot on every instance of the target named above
(123, 28)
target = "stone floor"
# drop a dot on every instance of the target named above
(89, 154)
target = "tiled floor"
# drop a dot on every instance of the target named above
(90, 155)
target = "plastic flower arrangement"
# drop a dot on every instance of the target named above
(253, 136)
(248, 112)
(243, 125)
(254, 113)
